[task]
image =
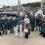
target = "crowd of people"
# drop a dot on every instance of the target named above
(20, 24)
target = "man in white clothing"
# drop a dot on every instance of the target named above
(26, 26)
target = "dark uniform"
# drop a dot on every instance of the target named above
(1, 24)
(8, 24)
(39, 22)
(32, 22)
(5, 25)
(43, 27)
(21, 18)
(11, 25)
(1, 27)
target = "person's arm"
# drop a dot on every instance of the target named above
(28, 21)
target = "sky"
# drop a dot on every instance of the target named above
(15, 2)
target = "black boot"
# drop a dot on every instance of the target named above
(26, 36)
(32, 29)
(29, 31)
(5, 32)
(0, 34)
(41, 33)
(13, 31)
(18, 31)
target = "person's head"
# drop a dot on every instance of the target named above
(25, 16)
(10, 16)
(5, 16)
(1, 15)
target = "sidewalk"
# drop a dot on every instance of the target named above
(34, 39)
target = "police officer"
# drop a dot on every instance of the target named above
(32, 22)
(11, 25)
(16, 26)
(1, 25)
(5, 24)
(20, 26)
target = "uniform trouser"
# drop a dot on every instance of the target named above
(5, 32)
(39, 28)
(40, 31)
(26, 33)
(20, 30)
(32, 28)
(3, 29)
(16, 30)
(0, 33)
(29, 31)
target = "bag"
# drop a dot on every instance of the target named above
(26, 30)
(26, 26)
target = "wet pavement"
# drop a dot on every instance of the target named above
(11, 39)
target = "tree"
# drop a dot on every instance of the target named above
(33, 5)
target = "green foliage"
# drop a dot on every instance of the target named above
(33, 5)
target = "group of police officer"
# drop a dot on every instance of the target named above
(20, 24)
(23, 26)
(5, 24)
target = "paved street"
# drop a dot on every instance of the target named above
(34, 39)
